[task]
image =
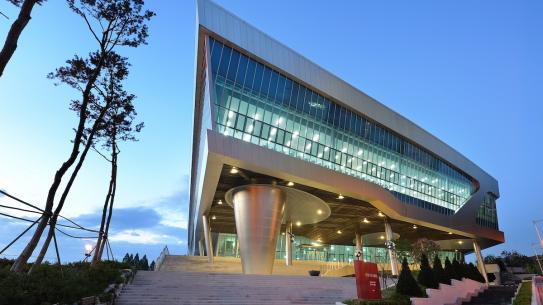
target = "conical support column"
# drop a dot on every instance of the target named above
(288, 244)
(480, 262)
(258, 211)
(391, 250)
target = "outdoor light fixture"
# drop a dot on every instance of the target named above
(298, 223)
(365, 220)
(340, 196)
(319, 212)
(234, 170)
(88, 250)
(290, 183)
(380, 214)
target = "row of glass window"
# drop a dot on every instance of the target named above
(487, 215)
(253, 76)
(307, 249)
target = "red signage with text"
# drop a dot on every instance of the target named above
(367, 281)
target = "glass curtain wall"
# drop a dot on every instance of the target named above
(305, 249)
(256, 104)
(487, 214)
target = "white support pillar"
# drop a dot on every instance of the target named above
(358, 244)
(391, 252)
(480, 262)
(201, 247)
(288, 244)
(207, 236)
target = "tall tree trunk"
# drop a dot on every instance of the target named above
(111, 201)
(95, 258)
(21, 261)
(15, 31)
(54, 218)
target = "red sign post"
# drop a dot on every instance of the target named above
(367, 281)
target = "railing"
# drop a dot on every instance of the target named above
(161, 258)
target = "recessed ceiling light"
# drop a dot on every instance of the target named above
(298, 223)
(290, 183)
(213, 217)
(339, 232)
(460, 242)
(381, 214)
(415, 226)
(382, 237)
(340, 196)
(319, 212)
(219, 202)
(234, 170)
(450, 233)
(365, 220)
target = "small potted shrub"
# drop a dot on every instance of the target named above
(314, 272)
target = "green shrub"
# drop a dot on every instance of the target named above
(457, 270)
(439, 273)
(406, 283)
(449, 271)
(426, 275)
(49, 284)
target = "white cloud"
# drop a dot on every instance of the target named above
(146, 237)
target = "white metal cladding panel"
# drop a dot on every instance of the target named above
(227, 25)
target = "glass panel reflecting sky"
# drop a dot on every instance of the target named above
(259, 105)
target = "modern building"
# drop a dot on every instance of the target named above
(289, 161)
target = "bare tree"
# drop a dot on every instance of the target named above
(118, 127)
(112, 23)
(17, 27)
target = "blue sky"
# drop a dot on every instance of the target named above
(467, 71)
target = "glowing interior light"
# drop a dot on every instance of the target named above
(326, 148)
(339, 232)
(234, 170)
(450, 233)
(365, 220)
(415, 226)
(228, 123)
(319, 212)
(273, 131)
(295, 134)
(365, 162)
(288, 143)
(382, 237)
(344, 149)
(340, 196)
(290, 183)
(298, 223)
(319, 155)
(250, 128)
(213, 217)
(359, 167)
(246, 137)
(350, 160)
(380, 214)
(359, 152)
(230, 114)
(316, 137)
(308, 146)
(337, 157)
(392, 166)
(219, 202)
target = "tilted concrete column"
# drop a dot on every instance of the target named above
(480, 262)
(258, 211)
(358, 244)
(207, 236)
(288, 244)
(391, 252)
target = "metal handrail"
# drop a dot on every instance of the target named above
(161, 258)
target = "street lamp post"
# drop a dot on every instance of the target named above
(88, 251)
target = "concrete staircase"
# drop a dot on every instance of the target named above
(169, 288)
(494, 295)
(181, 263)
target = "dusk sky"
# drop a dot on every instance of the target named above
(469, 72)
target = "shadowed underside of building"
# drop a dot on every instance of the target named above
(290, 162)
